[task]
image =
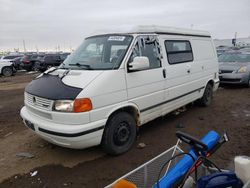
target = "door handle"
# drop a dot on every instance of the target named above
(188, 71)
(164, 73)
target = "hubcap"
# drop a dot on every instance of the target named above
(122, 134)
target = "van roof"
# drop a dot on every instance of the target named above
(142, 29)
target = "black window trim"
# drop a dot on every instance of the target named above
(183, 51)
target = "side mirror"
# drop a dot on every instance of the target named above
(139, 63)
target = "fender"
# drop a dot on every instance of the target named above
(124, 105)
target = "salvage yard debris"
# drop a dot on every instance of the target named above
(32, 174)
(25, 155)
(141, 145)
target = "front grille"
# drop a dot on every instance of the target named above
(226, 71)
(38, 102)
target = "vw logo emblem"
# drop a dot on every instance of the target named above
(34, 99)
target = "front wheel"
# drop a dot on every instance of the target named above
(119, 134)
(7, 71)
(207, 97)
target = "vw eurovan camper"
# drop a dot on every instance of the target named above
(115, 82)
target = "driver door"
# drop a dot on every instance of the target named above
(146, 87)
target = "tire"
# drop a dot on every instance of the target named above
(119, 134)
(36, 66)
(207, 97)
(7, 71)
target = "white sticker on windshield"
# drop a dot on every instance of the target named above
(116, 38)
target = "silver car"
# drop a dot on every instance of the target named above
(234, 68)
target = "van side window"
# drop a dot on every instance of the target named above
(178, 51)
(148, 48)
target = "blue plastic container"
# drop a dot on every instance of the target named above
(183, 166)
(220, 180)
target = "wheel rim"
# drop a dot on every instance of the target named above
(122, 134)
(7, 72)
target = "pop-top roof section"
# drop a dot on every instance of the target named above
(154, 29)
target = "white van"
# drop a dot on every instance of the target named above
(115, 82)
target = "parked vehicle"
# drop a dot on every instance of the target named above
(10, 57)
(28, 61)
(63, 56)
(6, 68)
(47, 61)
(16, 63)
(114, 83)
(234, 68)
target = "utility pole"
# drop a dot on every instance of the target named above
(24, 48)
(37, 49)
(235, 37)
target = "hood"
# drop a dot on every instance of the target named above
(231, 65)
(61, 84)
(76, 78)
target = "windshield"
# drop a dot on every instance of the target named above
(234, 58)
(99, 53)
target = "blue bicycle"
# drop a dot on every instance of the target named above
(176, 168)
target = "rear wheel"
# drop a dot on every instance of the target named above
(7, 71)
(207, 97)
(119, 134)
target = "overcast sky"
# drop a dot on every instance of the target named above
(47, 23)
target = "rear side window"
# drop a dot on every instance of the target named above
(178, 51)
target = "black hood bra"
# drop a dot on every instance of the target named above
(51, 87)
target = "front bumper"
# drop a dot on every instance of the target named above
(234, 78)
(70, 136)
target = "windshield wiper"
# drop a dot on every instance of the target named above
(87, 67)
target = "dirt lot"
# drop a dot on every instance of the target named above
(60, 167)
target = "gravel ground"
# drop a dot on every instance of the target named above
(61, 167)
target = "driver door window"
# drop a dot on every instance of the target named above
(148, 48)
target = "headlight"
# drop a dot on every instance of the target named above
(242, 69)
(77, 105)
(64, 105)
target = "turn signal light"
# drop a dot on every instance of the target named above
(82, 105)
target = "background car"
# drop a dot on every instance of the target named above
(234, 68)
(63, 56)
(10, 57)
(28, 61)
(47, 61)
(6, 68)
(16, 63)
